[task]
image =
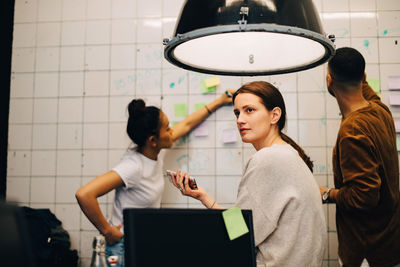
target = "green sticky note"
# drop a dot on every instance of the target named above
(180, 110)
(198, 106)
(207, 89)
(175, 123)
(375, 84)
(398, 142)
(204, 88)
(234, 222)
(212, 89)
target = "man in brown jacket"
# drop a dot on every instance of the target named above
(365, 168)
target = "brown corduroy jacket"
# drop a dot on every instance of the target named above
(366, 173)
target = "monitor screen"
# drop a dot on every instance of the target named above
(185, 237)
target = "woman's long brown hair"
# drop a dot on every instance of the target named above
(271, 98)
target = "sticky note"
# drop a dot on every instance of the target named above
(209, 85)
(201, 130)
(398, 142)
(211, 89)
(229, 136)
(234, 223)
(393, 82)
(198, 106)
(180, 110)
(375, 84)
(205, 89)
(394, 99)
(211, 82)
(397, 126)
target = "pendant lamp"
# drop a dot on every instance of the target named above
(248, 37)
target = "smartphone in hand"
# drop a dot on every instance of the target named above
(192, 182)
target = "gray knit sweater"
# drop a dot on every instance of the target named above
(289, 222)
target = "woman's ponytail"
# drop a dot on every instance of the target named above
(301, 152)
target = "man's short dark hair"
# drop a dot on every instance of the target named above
(347, 66)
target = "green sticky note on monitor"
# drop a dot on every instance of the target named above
(180, 110)
(375, 84)
(234, 223)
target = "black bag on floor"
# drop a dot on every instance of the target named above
(50, 241)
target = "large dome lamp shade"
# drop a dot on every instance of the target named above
(248, 37)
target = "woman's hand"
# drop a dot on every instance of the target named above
(114, 235)
(177, 180)
(226, 98)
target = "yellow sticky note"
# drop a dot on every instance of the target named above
(180, 110)
(205, 89)
(234, 222)
(211, 82)
(375, 84)
(198, 106)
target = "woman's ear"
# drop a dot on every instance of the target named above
(328, 79)
(152, 140)
(276, 115)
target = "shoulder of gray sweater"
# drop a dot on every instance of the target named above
(275, 153)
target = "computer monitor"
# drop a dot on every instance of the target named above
(185, 237)
(15, 246)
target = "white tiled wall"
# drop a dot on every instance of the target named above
(76, 64)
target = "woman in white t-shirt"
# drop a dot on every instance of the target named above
(277, 184)
(138, 178)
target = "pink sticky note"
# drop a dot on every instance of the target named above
(394, 99)
(397, 126)
(229, 136)
(393, 82)
(201, 130)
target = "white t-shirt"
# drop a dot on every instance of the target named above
(144, 183)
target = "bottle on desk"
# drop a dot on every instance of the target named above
(99, 252)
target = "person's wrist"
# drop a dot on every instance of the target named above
(212, 205)
(326, 196)
(106, 231)
(206, 200)
(220, 101)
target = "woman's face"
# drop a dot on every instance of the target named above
(165, 139)
(256, 124)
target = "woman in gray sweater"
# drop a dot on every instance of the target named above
(277, 183)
